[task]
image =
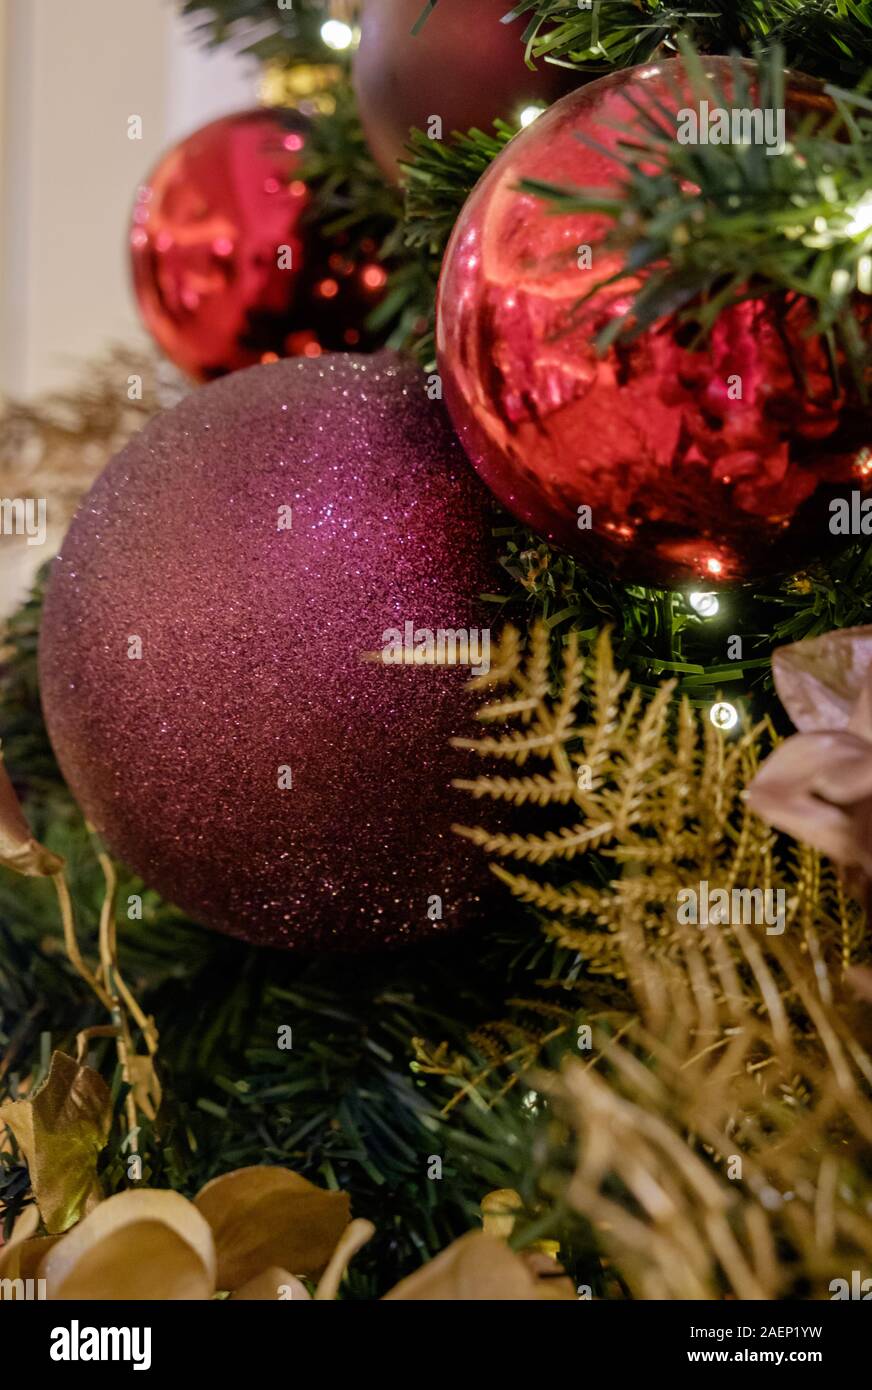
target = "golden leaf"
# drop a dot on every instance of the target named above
(20, 1256)
(22, 1260)
(860, 980)
(474, 1268)
(144, 1244)
(147, 1092)
(61, 1130)
(264, 1216)
(57, 444)
(499, 1211)
(353, 1238)
(739, 1130)
(19, 851)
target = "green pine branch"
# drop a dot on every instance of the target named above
(265, 29)
(829, 38)
(440, 175)
(352, 196)
(657, 632)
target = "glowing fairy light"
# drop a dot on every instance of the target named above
(724, 716)
(529, 115)
(337, 34)
(706, 605)
(860, 217)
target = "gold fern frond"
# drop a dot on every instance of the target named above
(541, 789)
(654, 790)
(742, 1138)
(571, 901)
(537, 849)
(716, 1114)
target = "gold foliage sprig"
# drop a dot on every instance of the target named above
(56, 446)
(716, 1131)
(647, 785)
(63, 1187)
(720, 1149)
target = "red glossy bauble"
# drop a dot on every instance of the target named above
(227, 269)
(463, 65)
(205, 655)
(710, 465)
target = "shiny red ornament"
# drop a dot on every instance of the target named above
(709, 465)
(206, 655)
(462, 65)
(228, 269)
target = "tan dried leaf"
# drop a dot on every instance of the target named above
(21, 1254)
(142, 1245)
(475, 1268)
(264, 1216)
(22, 1260)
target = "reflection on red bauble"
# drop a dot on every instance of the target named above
(463, 65)
(710, 465)
(228, 270)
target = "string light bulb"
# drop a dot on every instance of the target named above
(724, 716)
(337, 34)
(706, 605)
(529, 115)
(859, 217)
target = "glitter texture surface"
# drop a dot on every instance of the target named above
(253, 640)
(710, 465)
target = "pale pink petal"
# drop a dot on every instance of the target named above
(820, 680)
(861, 819)
(812, 788)
(860, 722)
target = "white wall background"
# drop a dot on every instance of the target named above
(72, 72)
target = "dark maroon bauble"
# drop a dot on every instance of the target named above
(463, 65)
(204, 655)
(663, 463)
(228, 267)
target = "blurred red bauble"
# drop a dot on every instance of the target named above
(684, 480)
(463, 65)
(227, 269)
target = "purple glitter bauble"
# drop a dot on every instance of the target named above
(255, 543)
